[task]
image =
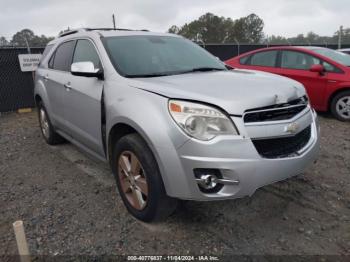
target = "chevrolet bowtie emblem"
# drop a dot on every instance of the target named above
(292, 128)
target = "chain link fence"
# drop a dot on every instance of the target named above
(16, 87)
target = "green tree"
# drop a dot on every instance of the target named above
(174, 29)
(3, 41)
(21, 38)
(248, 29)
(277, 40)
(210, 28)
(311, 37)
(26, 35)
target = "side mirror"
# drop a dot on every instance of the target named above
(86, 69)
(318, 69)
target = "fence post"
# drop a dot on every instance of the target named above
(238, 46)
(21, 240)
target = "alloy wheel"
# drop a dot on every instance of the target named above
(44, 123)
(133, 180)
(343, 107)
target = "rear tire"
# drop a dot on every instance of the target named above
(47, 130)
(139, 180)
(340, 106)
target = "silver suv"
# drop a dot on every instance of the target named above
(172, 120)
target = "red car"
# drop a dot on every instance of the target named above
(325, 73)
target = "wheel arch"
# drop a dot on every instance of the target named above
(37, 99)
(334, 94)
(116, 132)
(125, 126)
(40, 94)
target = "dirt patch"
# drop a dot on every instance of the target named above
(70, 206)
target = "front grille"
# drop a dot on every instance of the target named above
(276, 112)
(282, 147)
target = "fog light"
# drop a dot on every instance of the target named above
(211, 180)
(207, 180)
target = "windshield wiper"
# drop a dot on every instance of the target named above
(148, 75)
(204, 69)
(197, 69)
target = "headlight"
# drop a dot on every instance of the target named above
(200, 121)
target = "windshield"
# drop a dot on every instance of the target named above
(150, 56)
(337, 56)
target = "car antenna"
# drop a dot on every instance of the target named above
(113, 17)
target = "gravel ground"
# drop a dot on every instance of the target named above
(70, 206)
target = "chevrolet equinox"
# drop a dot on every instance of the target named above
(172, 120)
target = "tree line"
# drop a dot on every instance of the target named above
(209, 28)
(24, 37)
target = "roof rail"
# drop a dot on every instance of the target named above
(101, 28)
(74, 31)
(112, 29)
(70, 32)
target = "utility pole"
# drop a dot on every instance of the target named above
(340, 36)
(113, 17)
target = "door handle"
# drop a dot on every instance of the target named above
(68, 86)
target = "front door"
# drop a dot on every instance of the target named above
(82, 101)
(296, 65)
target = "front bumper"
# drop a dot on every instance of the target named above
(237, 159)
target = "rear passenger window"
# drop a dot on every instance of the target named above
(298, 60)
(63, 56)
(331, 68)
(85, 52)
(267, 58)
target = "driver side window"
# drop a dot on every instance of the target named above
(330, 68)
(85, 52)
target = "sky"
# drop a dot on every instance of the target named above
(282, 17)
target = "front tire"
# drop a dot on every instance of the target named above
(139, 180)
(47, 130)
(340, 106)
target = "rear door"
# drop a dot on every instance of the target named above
(55, 77)
(82, 100)
(296, 65)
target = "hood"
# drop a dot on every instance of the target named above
(234, 91)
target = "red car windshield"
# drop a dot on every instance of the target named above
(337, 56)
